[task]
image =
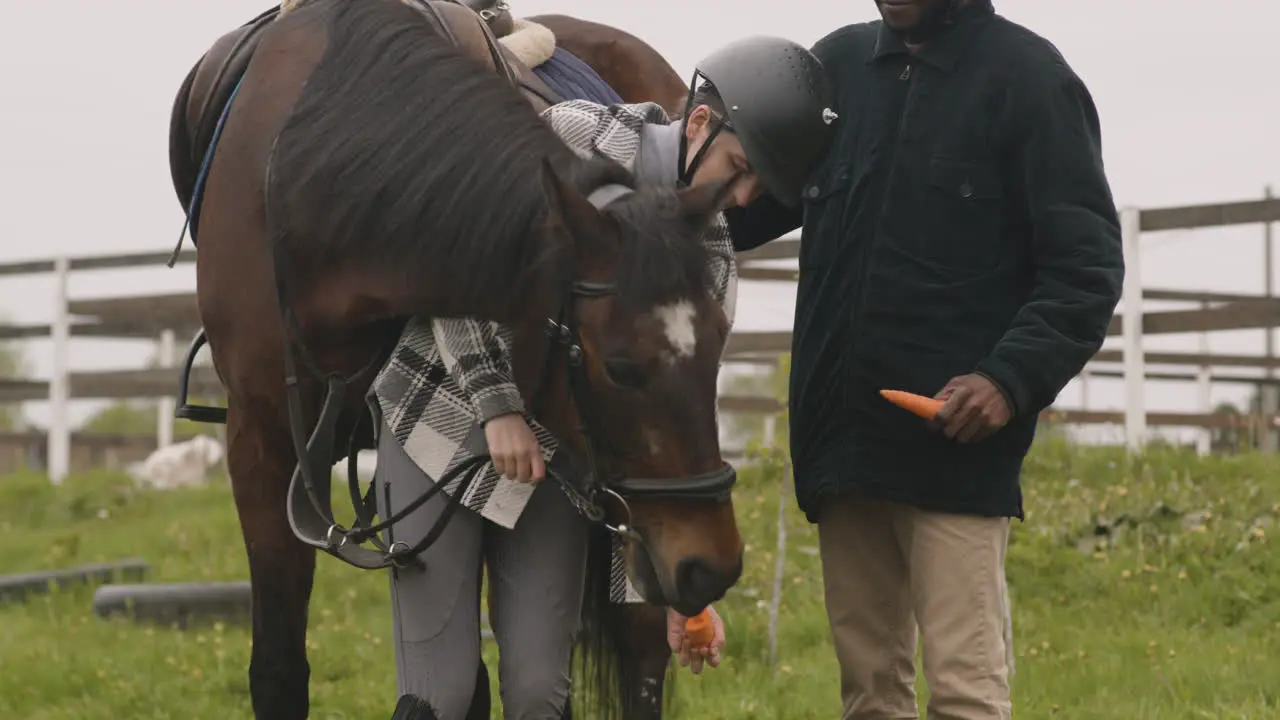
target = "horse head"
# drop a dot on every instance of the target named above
(641, 336)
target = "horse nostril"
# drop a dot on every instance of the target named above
(699, 584)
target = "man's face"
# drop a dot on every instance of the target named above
(722, 160)
(906, 16)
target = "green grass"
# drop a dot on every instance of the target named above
(1172, 611)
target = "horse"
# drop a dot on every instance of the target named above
(346, 270)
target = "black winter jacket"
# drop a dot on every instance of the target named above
(961, 223)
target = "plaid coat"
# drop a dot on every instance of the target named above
(446, 376)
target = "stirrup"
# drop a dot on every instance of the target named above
(185, 410)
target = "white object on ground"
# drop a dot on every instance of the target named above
(183, 464)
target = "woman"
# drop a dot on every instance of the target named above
(762, 111)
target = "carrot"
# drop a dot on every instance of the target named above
(925, 407)
(699, 629)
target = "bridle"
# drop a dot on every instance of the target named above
(687, 169)
(309, 512)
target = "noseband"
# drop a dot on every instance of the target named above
(599, 480)
(311, 517)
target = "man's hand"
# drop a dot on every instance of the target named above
(513, 448)
(694, 656)
(973, 409)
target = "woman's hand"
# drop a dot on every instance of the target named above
(514, 449)
(694, 657)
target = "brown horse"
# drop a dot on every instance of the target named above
(638, 73)
(350, 214)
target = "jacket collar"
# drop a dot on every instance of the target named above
(944, 51)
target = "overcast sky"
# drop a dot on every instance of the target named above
(1187, 92)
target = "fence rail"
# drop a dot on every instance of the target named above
(163, 317)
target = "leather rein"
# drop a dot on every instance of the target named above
(309, 508)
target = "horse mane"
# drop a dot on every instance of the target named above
(661, 257)
(401, 149)
(604, 655)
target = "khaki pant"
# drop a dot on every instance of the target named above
(889, 568)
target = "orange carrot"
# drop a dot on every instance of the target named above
(699, 629)
(925, 407)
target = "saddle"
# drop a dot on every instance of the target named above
(475, 37)
(495, 13)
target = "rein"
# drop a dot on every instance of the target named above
(309, 506)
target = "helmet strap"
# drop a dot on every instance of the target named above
(686, 175)
(687, 170)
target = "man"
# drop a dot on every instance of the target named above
(960, 240)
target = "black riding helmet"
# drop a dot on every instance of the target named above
(780, 105)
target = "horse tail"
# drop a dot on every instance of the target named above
(184, 164)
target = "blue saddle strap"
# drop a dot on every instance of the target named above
(198, 191)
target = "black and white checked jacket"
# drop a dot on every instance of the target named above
(447, 376)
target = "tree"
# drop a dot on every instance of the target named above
(13, 366)
(740, 428)
(1231, 440)
(743, 429)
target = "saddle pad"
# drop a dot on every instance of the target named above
(573, 79)
(531, 43)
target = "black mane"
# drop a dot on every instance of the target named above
(401, 148)
(662, 257)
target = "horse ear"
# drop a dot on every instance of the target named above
(568, 206)
(588, 228)
(555, 190)
(700, 203)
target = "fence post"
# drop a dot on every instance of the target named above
(1204, 438)
(1268, 401)
(780, 562)
(59, 438)
(1135, 371)
(165, 405)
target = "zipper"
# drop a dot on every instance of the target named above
(897, 141)
(864, 249)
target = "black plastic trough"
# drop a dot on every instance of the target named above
(180, 604)
(16, 588)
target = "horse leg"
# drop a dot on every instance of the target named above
(482, 700)
(646, 641)
(236, 289)
(281, 569)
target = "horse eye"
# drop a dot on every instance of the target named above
(625, 373)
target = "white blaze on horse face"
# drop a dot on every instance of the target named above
(677, 320)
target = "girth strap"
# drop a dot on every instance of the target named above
(310, 511)
(309, 506)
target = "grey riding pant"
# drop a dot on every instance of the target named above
(537, 571)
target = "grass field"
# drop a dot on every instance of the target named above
(1142, 589)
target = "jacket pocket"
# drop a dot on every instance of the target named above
(824, 200)
(963, 216)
